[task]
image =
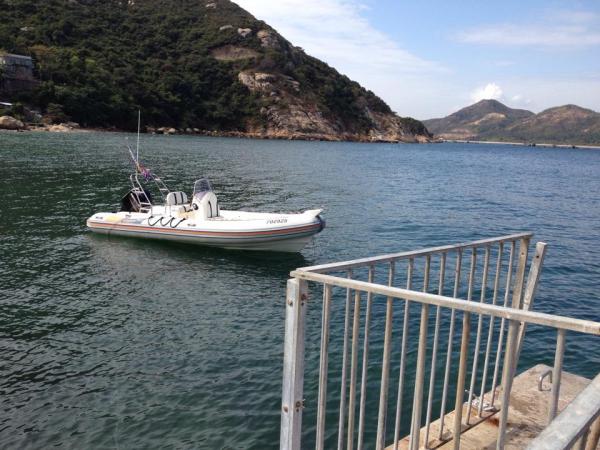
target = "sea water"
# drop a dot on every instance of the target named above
(124, 343)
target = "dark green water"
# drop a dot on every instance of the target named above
(116, 343)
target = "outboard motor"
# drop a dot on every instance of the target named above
(204, 200)
(206, 205)
(135, 199)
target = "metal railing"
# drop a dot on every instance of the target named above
(578, 425)
(495, 295)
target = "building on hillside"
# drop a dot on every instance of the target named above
(16, 74)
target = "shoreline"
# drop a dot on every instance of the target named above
(289, 136)
(285, 136)
(523, 144)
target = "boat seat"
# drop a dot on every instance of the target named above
(176, 198)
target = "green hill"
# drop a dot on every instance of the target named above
(492, 121)
(482, 118)
(186, 64)
(569, 124)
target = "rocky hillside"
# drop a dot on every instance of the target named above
(187, 64)
(569, 124)
(486, 117)
(491, 120)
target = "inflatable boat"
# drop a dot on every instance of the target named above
(200, 220)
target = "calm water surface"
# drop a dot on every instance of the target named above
(116, 343)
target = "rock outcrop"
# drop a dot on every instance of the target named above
(233, 53)
(289, 114)
(10, 123)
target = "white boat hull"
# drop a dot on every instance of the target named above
(234, 230)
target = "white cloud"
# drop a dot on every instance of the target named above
(490, 91)
(556, 29)
(336, 32)
(539, 94)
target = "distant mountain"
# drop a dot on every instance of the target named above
(493, 121)
(483, 118)
(204, 64)
(569, 124)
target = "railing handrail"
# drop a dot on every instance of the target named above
(344, 265)
(538, 318)
(573, 422)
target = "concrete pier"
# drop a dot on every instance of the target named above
(528, 414)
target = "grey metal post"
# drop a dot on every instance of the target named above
(293, 365)
(507, 379)
(520, 277)
(460, 384)
(557, 373)
(323, 368)
(530, 289)
(450, 340)
(415, 428)
(342, 421)
(385, 367)
(363, 378)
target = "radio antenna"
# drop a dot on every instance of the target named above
(137, 149)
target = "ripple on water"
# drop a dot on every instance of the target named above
(111, 342)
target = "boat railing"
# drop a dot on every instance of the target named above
(405, 337)
(141, 198)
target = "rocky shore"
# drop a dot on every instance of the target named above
(12, 124)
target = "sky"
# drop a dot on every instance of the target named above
(430, 58)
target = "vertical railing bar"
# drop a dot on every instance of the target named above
(502, 322)
(594, 435)
(472, 274)
(520, 277)
(462, 373)
(427, 273)
(488, 346)
(365, 362)
(415, 426)
(293, 365)
(323, 368)
(457, 271)
(464, 349)
(342, 420)
(486, 263)
(434, 351)
(531, 287)
(517, 301)
(353, 367)
(385, 367)
(403, 346)
(507, 379)
(581, 443)
(557, 373)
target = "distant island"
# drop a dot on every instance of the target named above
(190, 66)
(490, 120)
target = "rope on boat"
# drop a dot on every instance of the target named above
(170, 222)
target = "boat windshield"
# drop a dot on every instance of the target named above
(201, 187)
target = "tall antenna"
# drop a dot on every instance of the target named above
(137, 149)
